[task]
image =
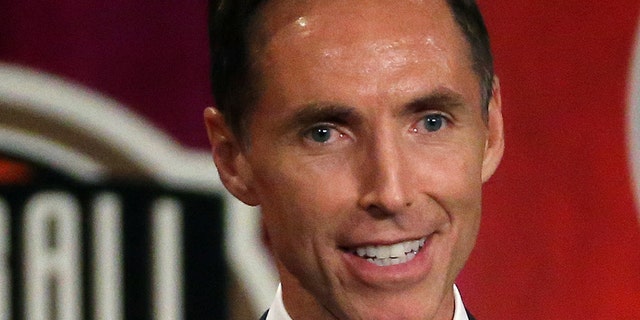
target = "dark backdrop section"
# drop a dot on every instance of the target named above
(152, 56)
(202, 282)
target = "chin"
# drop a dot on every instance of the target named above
(394, 314)
(398, 307)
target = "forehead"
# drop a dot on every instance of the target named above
(327, 22)
(304, 44)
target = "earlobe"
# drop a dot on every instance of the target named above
(229, 158)
(494, 146)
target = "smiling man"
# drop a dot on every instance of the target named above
(364, 130)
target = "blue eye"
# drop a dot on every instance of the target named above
(434, 122)
(320, 134)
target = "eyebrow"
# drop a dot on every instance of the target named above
(318, 112)
(322, 112)
(441, 99)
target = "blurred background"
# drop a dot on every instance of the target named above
(110, 207)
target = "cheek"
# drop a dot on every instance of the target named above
(458, 192)
(303, 208)
(450, 173)
(453, 181)
(303, 201)
(462, 198)
(465, 189)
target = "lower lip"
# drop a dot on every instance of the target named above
(400, 274)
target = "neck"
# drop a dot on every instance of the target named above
(300, 303)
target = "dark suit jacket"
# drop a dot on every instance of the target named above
(264, 316)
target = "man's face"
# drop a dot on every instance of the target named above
(367, 154)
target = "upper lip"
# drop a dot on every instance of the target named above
(380, 242)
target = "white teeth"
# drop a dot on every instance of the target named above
(392, 254)
(371, 251)
(416, 245)
(396, 250)
(382, 252)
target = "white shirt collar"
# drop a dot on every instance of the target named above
(278, 312)
(459, 311)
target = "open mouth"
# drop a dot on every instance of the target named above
(389, 255)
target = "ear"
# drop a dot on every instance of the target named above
(494, 145)
(229, 157)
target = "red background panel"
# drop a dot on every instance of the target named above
(560, 236)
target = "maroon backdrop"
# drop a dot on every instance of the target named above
(152, 56)
(560, 236)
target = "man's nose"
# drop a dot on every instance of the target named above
(385, 184)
